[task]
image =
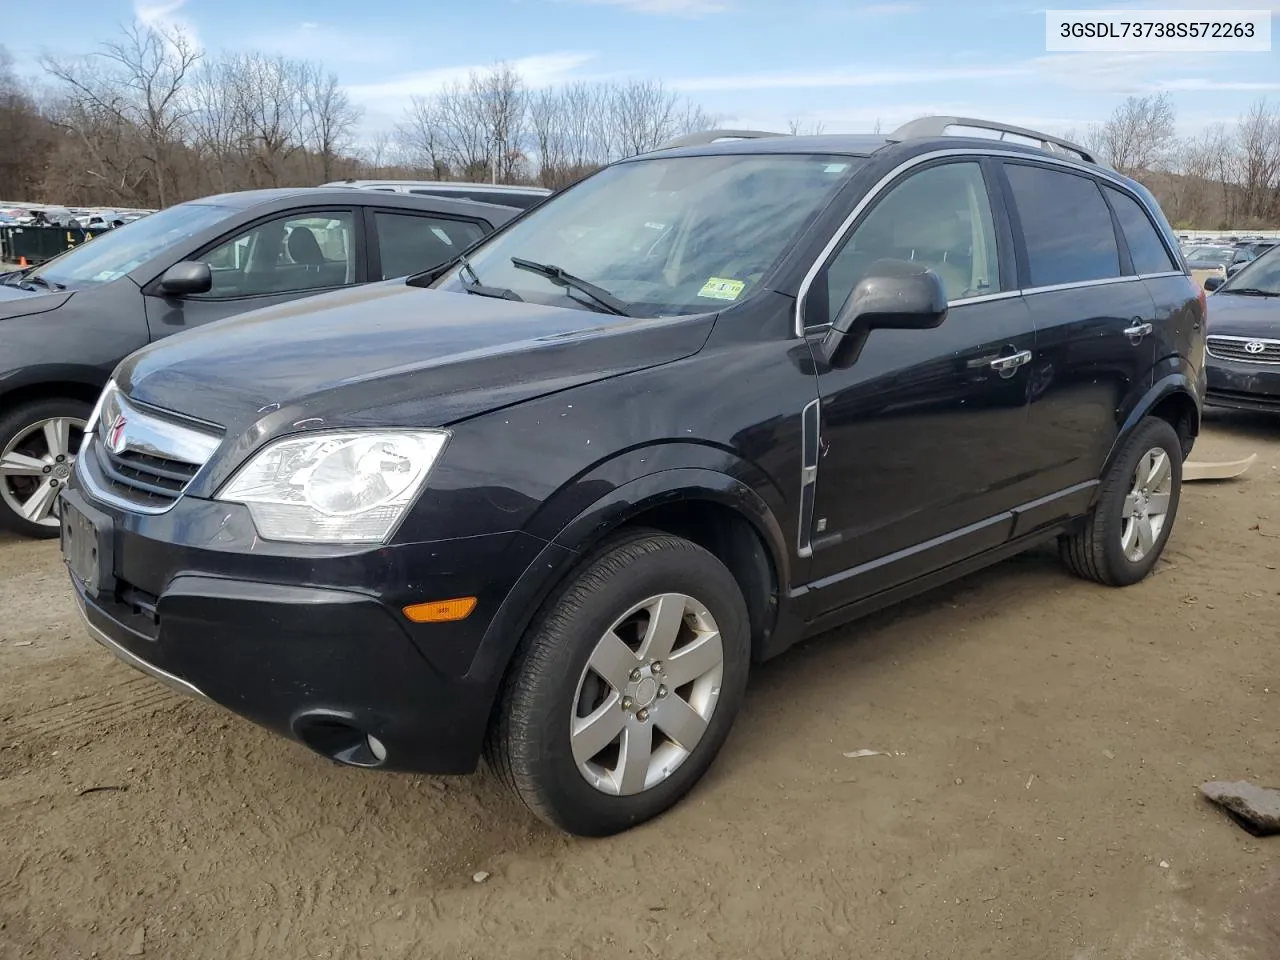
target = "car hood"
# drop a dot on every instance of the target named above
(17, 302)
(1231, 315)
(391, 355)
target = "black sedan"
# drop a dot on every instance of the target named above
(65, 324)
(1244, 338)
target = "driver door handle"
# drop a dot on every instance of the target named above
(1012, 362)
(1138, 331)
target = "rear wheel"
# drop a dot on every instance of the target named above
(1126, 533)
(38, 444)
(622, 694)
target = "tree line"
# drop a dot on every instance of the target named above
(148, 119)
(1225, 177)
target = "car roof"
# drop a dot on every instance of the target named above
(451, 185)
(283, 197)
(854, 145)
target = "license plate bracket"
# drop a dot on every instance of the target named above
(87, 546)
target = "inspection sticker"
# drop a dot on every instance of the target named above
(717, 288)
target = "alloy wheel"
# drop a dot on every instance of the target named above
(1146, 507)
(36, 464)
(647, 694)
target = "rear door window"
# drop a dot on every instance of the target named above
(1066, 225)
(1146, 249)
(410, 244)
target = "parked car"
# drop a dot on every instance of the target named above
(64, 325)
(507, 194)
(1221, 261)
(1243, 362)
(551, 501)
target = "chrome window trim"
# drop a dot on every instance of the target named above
(1076, 284)
(877, 189)
(985, 298)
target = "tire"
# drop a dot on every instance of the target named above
(24, 440)
(1098, 551)
(552, 685)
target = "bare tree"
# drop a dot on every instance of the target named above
(137, 81)
(27, 139)
(1139, 136)
(1258, 146)
(798, 128)
(421, 139)
(330, 119)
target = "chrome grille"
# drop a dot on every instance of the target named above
(142, 459)
(1245, 349)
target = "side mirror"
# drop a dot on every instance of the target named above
(894, 295)
(189, 276)
(1213, 283)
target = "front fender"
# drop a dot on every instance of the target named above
(593, 524)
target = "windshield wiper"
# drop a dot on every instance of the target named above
(51, 284)
(557, 275)
(478, 288)
(1250, 291)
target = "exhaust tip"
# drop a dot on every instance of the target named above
(336, 736)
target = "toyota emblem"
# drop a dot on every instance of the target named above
(1255, 346)
(115, 437)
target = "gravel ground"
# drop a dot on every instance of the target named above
(1046, 736)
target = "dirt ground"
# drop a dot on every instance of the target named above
(1047, 740)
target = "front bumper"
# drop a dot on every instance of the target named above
(1243, 386)
(309, 641)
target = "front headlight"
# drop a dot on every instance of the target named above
(351, 486)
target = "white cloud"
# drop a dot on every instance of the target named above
(675, 8)
(165, 15)
(845, 78)
(541, 70)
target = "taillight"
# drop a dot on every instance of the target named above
(1204, 304)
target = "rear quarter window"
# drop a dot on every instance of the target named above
(1146, 249)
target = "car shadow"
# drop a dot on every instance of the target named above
(1244, 424)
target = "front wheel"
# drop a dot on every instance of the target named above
(38, 444)
(622, 693)
(1126, 533)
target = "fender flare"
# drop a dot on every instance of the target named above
(593, 524)
(1178, 382)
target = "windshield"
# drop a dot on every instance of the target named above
(667, 236)
(115, 253)
(1211, 253)
(1263, 275)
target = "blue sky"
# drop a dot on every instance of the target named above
(758, 63)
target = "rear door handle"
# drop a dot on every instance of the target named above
(1006, 365)
(1138, 331)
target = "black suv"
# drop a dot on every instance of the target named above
(548, 504)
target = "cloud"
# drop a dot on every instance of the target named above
(844, 78)
(334, 47)
(540, 70)
(165, 16)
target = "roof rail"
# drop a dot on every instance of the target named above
(937, 127)
(703, 137)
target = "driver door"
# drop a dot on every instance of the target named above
(274, 260)
(922, 437)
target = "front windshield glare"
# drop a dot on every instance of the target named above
(115, 253)
(666, 236)
(1262, 275)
